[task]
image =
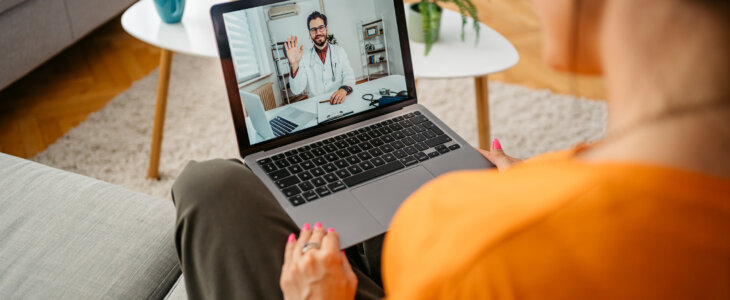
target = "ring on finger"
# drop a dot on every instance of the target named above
(308, 246)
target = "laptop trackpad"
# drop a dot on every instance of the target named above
(383, 197)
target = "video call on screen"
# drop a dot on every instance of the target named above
(303, 63)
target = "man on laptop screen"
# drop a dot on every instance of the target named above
(317, 67)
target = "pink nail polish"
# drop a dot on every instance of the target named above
(317, 225)
(305, 227)
(496, 145)
(330, 229)
(291, 238)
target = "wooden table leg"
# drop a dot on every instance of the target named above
(163, 82)
(482, 90)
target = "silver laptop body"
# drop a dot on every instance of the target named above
(360, 203)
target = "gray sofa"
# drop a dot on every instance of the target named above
(67, 236)
(33, 31)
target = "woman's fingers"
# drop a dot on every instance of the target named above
(289, 250)
(304, 236)
(497, 156)
(331, 241)
(317, 234)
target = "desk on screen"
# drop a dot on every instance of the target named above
(353, 102)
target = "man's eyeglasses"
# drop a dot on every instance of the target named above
(319, 28)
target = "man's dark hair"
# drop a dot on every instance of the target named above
(316, 15)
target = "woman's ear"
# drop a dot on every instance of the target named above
(572, 34)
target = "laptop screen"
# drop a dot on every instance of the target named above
(299, 64)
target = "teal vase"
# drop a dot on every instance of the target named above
(170, 11)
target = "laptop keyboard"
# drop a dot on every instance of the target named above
(331, 165)
(281, 126)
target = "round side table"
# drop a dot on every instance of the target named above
(194, 35)
(452, 58)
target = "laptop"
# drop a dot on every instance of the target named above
(352, 173)
(285, 122)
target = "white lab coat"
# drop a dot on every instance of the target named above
(317, 76)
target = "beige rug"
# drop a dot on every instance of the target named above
(113, 143)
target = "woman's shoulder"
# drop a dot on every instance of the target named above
(447, 225)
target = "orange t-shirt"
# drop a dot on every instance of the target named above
(555, 228)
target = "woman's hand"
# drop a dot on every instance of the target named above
(497, 157)
(321, 272)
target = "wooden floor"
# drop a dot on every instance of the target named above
(42, 106)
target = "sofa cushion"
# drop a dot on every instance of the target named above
(8, 4)
(86, 15)
(67, 236)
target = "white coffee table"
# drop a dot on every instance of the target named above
(194, 35)
(452, 58)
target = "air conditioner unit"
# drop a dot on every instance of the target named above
(283, 11)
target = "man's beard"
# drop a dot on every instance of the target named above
(320, 44)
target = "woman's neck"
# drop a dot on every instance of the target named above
(669, 100)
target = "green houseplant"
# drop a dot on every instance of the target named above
(428, 14)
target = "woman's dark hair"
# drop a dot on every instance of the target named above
(316, 15)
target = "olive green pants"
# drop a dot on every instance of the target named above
(231, 232)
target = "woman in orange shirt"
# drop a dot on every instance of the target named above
(645, 213)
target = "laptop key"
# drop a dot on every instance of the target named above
(322, 191)
(377, 142)
(365, 146)
(410, 150)
(420, 156)
(373, 173)
(287, 182)
(278, 156)
(336, 186)
(421, 146)
(294, 159)
(295, 169)
(376, 152)
(354, 149)
(353, 160)
(318, 181)
(387, 138)
(331, 177)
(408, 131)
(305, 186)
(354, 169)
(364, 156)
(310, 195)
(418, 137)
(318, 151)
(343, 153)
(388, 157)
(319, 161)
(408, 141)
(264, 161)
(454, 147)
(397, 144)
(296, 200)
(437, 131)
(378, 161)
(308, 165)
(341, 164)
(331, 157)
(268, 168)
(341, 173)
(341, 144)
(282, 163)
(329, 168)
(291, 191)
(443, 149)
(400, 153)
(290, 152)
(330, 148)
(316, 172)
(438, 140)
(366, 165)
(280, 174)
(418, 119)
(305, 175)
(306, 155)
(409, 160)
(428, 134)
(433, 154)
(398, 135)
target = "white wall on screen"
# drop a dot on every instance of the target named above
(385, 9)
